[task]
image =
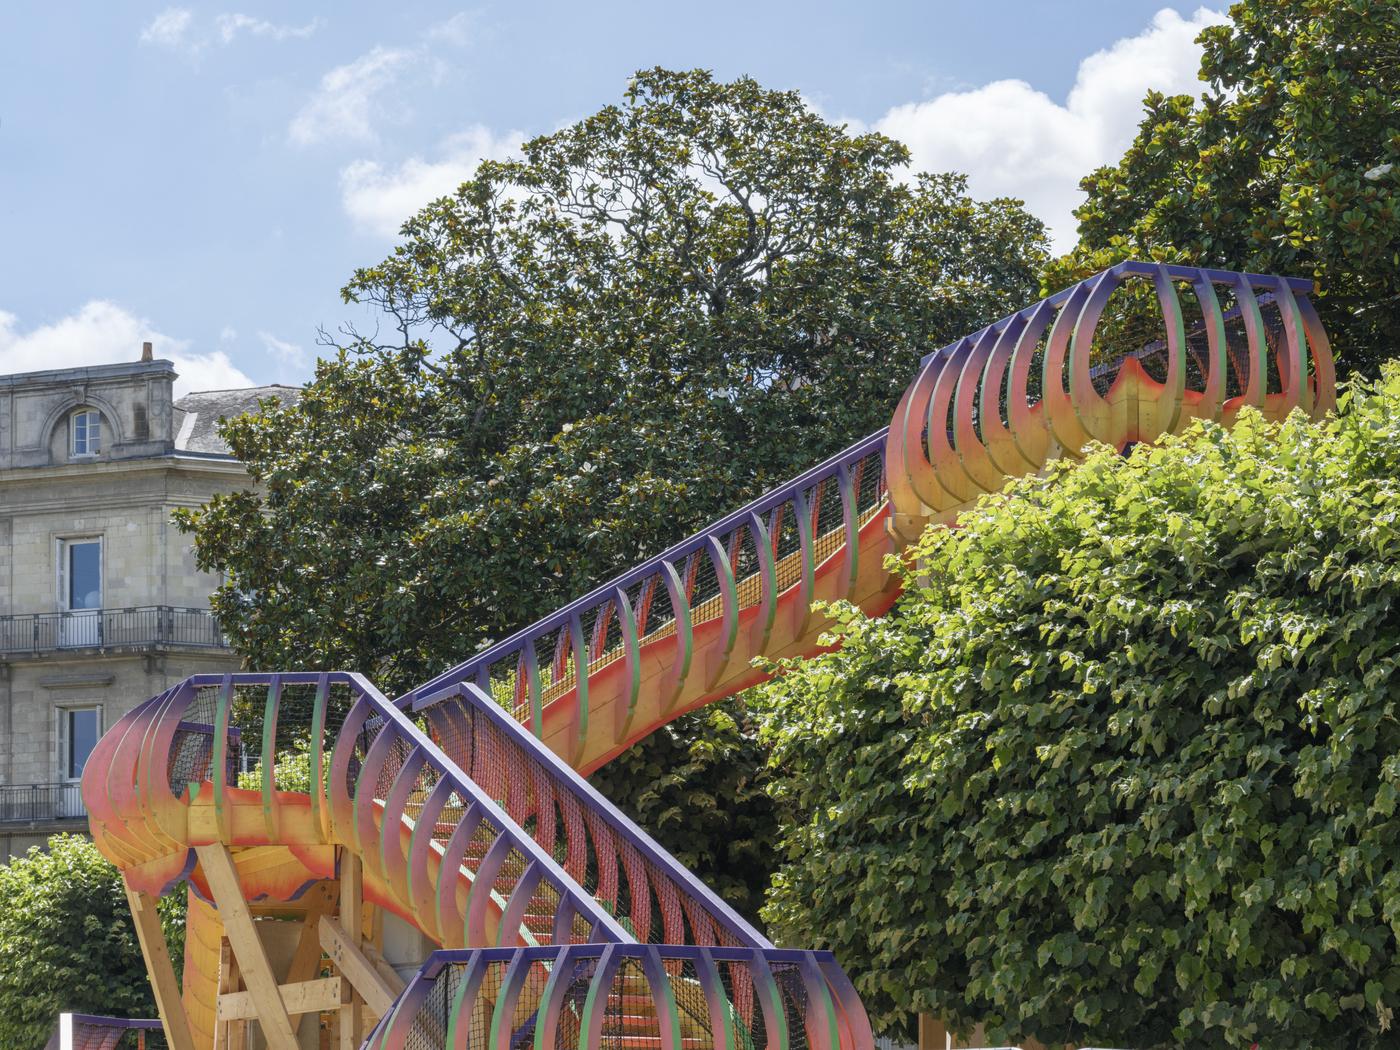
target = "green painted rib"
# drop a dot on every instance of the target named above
(503, 1013)
(269, 756)
(802, 518)
(1176, 344)
(580, 647)
(627, 621)
(1214, 320)
(531, 664)
(592, 1015)
(770, 1001)
(663, 997)
(1295, 335)
(850, 517)
(1254, 332)
(220, 752)
(680, 609)
(763, 546)
(729, 594)
(318, 754)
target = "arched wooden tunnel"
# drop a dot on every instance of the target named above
(332, 839)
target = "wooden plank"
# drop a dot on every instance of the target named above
(375, 988)
(301, 997)
(247, 946)
(229, 1035)
(933, 1035)
(306, 960)
(158, 967)
(352, 915)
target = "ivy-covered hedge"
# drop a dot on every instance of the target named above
(67, 941)
(1122, 766)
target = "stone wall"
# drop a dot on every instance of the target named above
(134, 401)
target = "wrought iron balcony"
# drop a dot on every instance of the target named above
(41, 803)
(147, 627)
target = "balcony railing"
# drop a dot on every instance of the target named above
(39, 803)
(151, 626)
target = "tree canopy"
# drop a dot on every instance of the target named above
(67, 942)
(1289, 163)
(585, 354)
(1120, 768)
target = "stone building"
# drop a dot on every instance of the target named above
(101, 606)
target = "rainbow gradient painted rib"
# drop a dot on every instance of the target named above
(476, 826)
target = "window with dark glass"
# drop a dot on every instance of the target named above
(78, 730)
(80, 574)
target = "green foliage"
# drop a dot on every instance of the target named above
(67, 942)
(1290, 163)
(1121, 766)
(291, 771)
(652, 316)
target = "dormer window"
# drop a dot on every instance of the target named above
(85, 426)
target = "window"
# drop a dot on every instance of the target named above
(78, 730)
(80, 573)
(85, 426)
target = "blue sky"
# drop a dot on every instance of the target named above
(207, 176)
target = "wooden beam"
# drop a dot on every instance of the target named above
(352, 899)
(229, 1035)
(306, 959)
(375, 988)
(242, 934)
(302, 997)
(158, 967)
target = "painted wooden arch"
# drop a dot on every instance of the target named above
(663, 996)
(1047, 380)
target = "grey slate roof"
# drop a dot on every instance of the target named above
(196, 414)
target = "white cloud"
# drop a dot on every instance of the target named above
(1013, 140)
(101, 332)
(170, 28)
(230, 25)
(346, 102)
(379, 199)
(176, 29)
(290, 354)
(455, 30)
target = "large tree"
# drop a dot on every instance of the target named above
(1289, 163)
(67, 942)
(585, 354)
(1120, 768)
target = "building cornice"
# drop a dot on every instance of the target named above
(224, 466)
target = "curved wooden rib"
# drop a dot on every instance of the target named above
(1071, 411)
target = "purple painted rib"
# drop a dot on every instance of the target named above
(718, 911)
(769, 501)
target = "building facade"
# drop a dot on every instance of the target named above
(101, 605)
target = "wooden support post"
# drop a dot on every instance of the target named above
(158, 967)
(352, 918)
(377, 991)
(229, 1035)
(932, 1034)
(306, 960)
(247, 946)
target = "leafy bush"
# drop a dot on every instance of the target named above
(1122, 765)
(290, 772)
(67, 941)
